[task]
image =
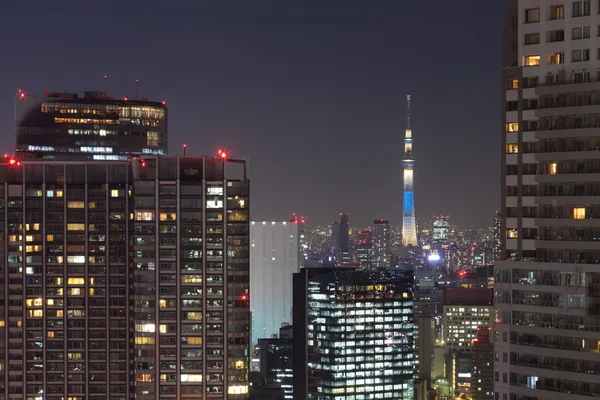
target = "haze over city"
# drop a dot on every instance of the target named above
(312, 92)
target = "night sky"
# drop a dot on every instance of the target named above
(313, 92)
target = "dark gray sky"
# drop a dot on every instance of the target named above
(312, 91)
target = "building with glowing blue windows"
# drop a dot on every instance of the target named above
(353, 334)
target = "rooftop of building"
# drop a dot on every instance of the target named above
(468, 296)
(91, 97)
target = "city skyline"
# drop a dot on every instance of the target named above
(235, 84)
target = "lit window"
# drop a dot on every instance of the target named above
(556, 58)
(163, 328)
(191, 377)
(50, 238)
(76, 281)
(531, 61)
(114, 193)
(239, 364)
(512, 234)
(147, 328)
(513, 84)
(144, 216)
(75, 227)
(512, 148)
(168, 216)
(144, 377)
(76, 260)
(75, 204)
(237, 389)
(145, 340)
(512, 127)
(552, 168)
(579, 213)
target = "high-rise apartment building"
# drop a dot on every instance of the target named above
(275, 256)
(353, 334)
(548, 287)
(381, 244)
(125, 279)
(92, 127)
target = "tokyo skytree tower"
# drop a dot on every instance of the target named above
(409, 226)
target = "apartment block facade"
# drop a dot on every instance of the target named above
(547, 300)
(125, 280)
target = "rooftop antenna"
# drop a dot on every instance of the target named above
(137, 89)
(408, 111)
(105, 85)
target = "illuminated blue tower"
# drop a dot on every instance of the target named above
(409, 226)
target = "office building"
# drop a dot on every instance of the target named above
(275, 255)
(482, 365)
(440, 229)
(409, 223)
(353, 334)
(548, 286)
(465, 310)
(93, 127)
(381, 244)
(363, 250)
(276, 361)
(125, 279)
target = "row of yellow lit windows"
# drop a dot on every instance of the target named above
(195, 378)
(512, 127)
(71, 281)
(512, 148)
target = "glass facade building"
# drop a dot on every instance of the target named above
(353, 332)
(124, 280)
(93, 127)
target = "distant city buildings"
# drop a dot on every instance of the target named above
(381, 244)
(275, 255)
(353, 333)
(92, 127)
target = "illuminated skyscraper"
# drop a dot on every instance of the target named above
(409, 227)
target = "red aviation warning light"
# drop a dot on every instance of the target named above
(143, 163)
(244, 297)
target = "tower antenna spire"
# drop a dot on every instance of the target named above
(408, 111)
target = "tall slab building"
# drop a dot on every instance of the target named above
(275, 256)
(547, 335)
(125, 279)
